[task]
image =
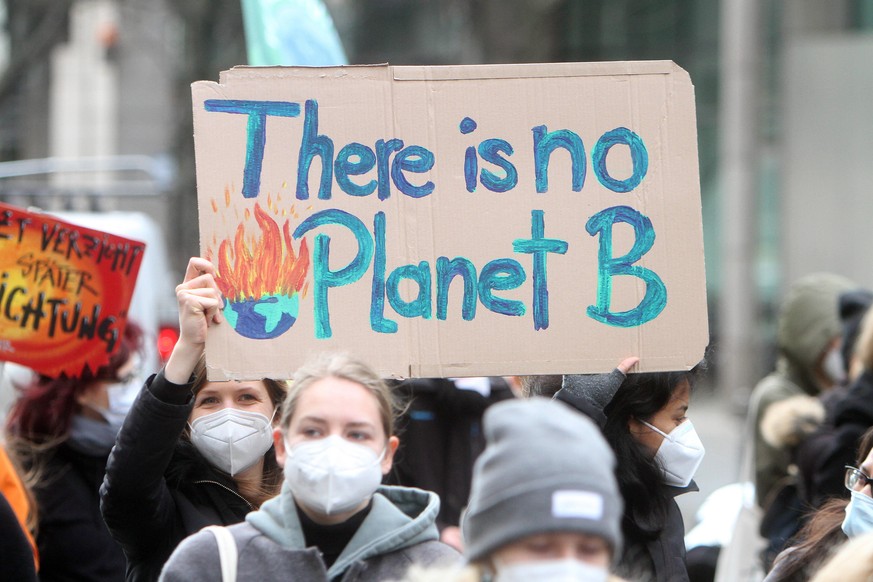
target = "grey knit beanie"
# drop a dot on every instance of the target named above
(545, 468)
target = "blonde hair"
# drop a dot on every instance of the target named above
(345, 367)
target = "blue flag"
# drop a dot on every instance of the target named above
(291, 32)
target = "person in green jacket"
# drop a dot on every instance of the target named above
(809, 362)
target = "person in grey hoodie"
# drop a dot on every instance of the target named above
(332, 519)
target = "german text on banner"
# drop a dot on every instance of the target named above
(64, 292)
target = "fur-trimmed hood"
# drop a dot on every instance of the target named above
(788, 422)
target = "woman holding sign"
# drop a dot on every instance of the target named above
(333, 520)
(644, 419)
(191, 453)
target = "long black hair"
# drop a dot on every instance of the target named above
(640, 477)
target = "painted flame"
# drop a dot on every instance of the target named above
(253, 268)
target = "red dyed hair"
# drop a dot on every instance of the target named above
(45, 407)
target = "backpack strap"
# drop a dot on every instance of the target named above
(227, 551)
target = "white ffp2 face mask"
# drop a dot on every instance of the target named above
(859, 515)
(121, 396)
(833, 366)
(232, 440)
(332, 475)
(680, 453)
(567, 570)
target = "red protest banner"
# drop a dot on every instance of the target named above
(64, 292)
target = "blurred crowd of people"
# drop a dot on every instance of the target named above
(336, 474)
(812, 434)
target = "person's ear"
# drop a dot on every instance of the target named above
(279, 444)
(635, 427)
(390, 449)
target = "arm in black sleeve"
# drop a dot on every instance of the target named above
(590, 393)
(135, 500)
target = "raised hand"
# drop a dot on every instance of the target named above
(200, 306)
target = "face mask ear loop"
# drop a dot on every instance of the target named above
(656, 429)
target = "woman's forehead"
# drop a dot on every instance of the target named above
(338, 397)
(232, 386)
(681, 393)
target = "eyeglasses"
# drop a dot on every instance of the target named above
(856, 479)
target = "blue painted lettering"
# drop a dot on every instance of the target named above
(256, 132)
(639, 159)
(418, 307)
(655, 299)
(378, 321)
(323, 277)
(501, 275)
(384, 149)
(446, 270)
(545, 142)
(345, 167)
(412, 159)
(313, 145)
(490, 150)
(538, 246)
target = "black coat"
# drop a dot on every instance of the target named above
(645, 556)
(158, 488)
(73, 541)
(661, 559)
(823, 456)
(16, 556)
(441, 437)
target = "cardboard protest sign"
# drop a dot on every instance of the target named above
(64, 292)
(453, 221)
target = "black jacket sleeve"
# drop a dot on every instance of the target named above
(822, 459)
(135, 500)
(590, 393)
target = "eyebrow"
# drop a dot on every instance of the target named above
(360, 425)
(316, 419)
(236, 390)
(354, 424)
